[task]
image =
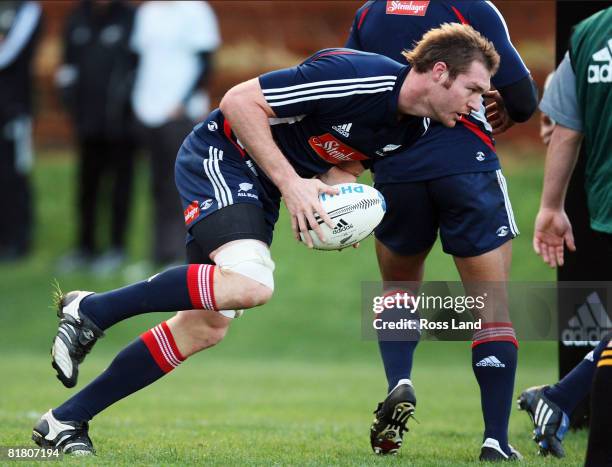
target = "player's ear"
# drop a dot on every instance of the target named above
(439, 72)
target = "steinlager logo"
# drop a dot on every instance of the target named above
(597, 73)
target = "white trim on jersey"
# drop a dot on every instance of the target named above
(25, 22)
(223, 195)
(503, 21)
(481, 117)
(501, 180)
(330, 96)
(331, 82)
(330, 88)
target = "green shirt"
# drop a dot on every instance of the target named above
(591, 58)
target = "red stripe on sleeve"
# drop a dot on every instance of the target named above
(362, 17)
(459, 16)
(337, 52)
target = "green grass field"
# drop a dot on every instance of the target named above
(292, 384)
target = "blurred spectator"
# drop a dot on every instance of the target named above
(95, 80)
(19, 29)
(175, 42)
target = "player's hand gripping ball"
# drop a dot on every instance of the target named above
(355, 211)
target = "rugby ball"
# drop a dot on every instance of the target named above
(355, 211)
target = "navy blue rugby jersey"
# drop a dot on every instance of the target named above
(389, 26)
(338, 105)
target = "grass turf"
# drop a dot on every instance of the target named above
(293, 383)
(226, 411)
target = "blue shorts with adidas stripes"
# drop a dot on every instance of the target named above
(212, 173)
(472, 211)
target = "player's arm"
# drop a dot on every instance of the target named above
(246, 108)
(520, 99)
(516, 98)
(353, 41)
(345, 172)
(511, 104)
(553, 228)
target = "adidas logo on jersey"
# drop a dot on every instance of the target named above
(590, 323)
(601, 73)
(491, 361)
(344, 130)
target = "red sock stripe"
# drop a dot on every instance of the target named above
(200, 280)
(171, 341)
(163, 348)
(494, 332)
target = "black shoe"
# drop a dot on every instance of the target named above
(75, 337)
(550, 422)
(491, 451)
(391, 415)
(69, 437)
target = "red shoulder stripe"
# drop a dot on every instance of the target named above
(362, 17)
(460, 17)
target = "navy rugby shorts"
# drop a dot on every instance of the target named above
(472, 211)
(211, 174)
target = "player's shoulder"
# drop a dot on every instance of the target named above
(480, 12)
(358, 60)
(366, 7)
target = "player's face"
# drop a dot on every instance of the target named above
(462, 95)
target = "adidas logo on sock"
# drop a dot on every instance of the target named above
(344, 129)
(491, 361)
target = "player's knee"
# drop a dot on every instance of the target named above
(255, 294)
(204, 329)
(253, 267)
(211, 336)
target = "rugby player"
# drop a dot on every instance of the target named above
(269, 138)
(450, 180)
(578, 100)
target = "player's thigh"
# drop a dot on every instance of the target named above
(223, 199)
(410, 224)
(236, 238)
(396, 267)
(493, 265)
(475, 213)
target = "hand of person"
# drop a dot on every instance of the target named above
(552, 230)
(547, 125)
(336, 175)
(496, 112)
(301, 197)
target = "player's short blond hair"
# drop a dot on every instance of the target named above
(457, 45)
